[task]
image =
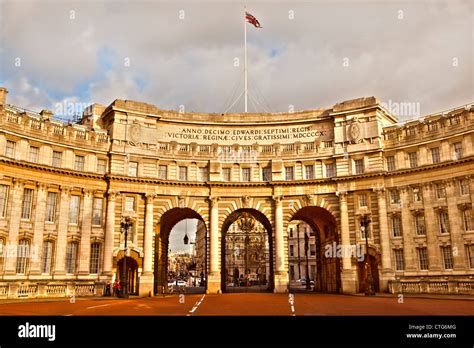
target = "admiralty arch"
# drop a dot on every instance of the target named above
(65, 188)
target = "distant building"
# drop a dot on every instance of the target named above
(296, 251)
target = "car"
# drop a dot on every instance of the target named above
(302, 281)
(181, 283)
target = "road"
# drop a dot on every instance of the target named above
(298, 304)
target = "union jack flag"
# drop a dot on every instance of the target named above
(251, 19)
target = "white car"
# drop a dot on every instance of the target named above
(302, 281)
(179, 283)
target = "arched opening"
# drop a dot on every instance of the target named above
(181, 252)
(133, 262)
(318, 227)
(246, 252)
(362, 270)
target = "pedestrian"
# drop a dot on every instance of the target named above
(107, 288)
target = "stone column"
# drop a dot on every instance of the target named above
(348, 273)
(408, 229)
(456, 228)
(281, 273)
(86, 230)
(37, 246)
(61, 242)
(432, 230)
(109, 233)
(387, 266)
(146, 279)
(214, 276)
(14, 224)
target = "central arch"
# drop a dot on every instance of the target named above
(263, 220)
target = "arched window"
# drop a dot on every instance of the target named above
(71, 257)
(23, 255)
(47, 257)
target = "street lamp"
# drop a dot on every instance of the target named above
(306, 242)
(364, 227)
(124, 226)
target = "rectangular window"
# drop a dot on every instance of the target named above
(23, 256)
(292, 272)
(457, 150)
(359, 166)
(74, 206)
(3, 200)
(464, 187)
(51, 202)
(423, 258)
(470, 255)
(292, 250)
(443, 221)
(47, 257)
(101, 166)
(10, 149)
(447, 253)
(203, 173)
(362, 200)
(57, 159)
(413, 159)
(435, 157)
(267, 174)
(132, 168)
(396, 226)
(129, 204)
(330, 170)
(95, 257)
(440, 191)
(466, 220)
(183, 173)
(71, 257)
(420, 225)
(226, 174)
(312, 249)
(2, 253)
(394, 196)
(97, 208)
(79, 163)
(399, 260)
(163, 172)
(309, 172)
(245, 174)
(33, 154)
(289, 173)
(26, 204)
(391, 163)
(417, 195)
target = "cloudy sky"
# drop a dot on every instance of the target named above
(308, 54)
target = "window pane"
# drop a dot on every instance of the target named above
(129, 204)
(57, 159)
(47, 257)
(74, 206)
(10, 149)
(245, 174)
(183, 173)
(97, 211)
(309, 171)
(289, 173)
(423, 258)
(33, 156)
(95, 256)
(132, 168)
(3, 200)
(101, 166)
(79, 163)
(71, 257)
(226, 174)
(26, 205)
(51, 206)
(162, 172)
(23, 254)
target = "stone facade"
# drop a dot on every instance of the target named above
(65, 188)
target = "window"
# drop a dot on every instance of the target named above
(359, 166)
(3, 200)
(292, 272)
(97, 207)
(74, 206)
(411, 131)
(2, 253)
(129, 204)
(292, 250)
(226, 174)
(203, 173)
(289, 173)
(51, 202)
(101, 166)
(470, 255)
(363, 232)
(417, 195)
(466, 220)
(10, 149)
(245, 174)
(163, 172)
(309, 172)
(443, 221)
(330, 170)
(22, 258)
(420, 225)
(267, 173)
(33, 154)
(447, 253)
(26, 204)
(391, 163)
(413, 159)
(132, 168)
(464, 187)
(457, 150)
(57, 159)
(363, 200)
(71, 257)
(79, 163)
(183, 173)
(399, 260)
(394, 196)
(423, 258)
(396, 226)
(47, 257)
(435, 157)
(95, 257)
(440, 191)
(312, 249)
(291, 232)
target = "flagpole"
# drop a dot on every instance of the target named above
(245, 58)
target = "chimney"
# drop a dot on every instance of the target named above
(46, 114)
(3, 95)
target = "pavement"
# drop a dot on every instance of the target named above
(238, 304)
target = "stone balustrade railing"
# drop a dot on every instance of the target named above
(13, 290)
(409, 286)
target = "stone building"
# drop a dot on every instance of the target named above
(297, 254)
(64, 189)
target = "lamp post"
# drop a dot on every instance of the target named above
(306, 242)
(364, 227)
(124, 226)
